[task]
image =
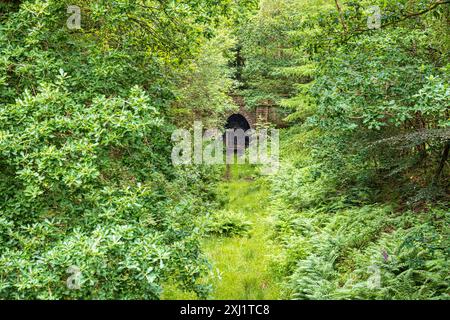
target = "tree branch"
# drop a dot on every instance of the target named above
(341, 16)
(408, 16)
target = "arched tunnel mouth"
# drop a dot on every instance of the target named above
(235, 122)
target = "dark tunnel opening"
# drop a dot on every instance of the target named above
(236, 122)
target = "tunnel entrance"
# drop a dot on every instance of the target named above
(236, 122)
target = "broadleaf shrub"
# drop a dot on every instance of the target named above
(86, 180)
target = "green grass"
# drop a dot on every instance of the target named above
(241, 265)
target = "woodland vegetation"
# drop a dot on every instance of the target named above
(359, 209)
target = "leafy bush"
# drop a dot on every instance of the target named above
(227, 224)
(86, 181)
(84, 186)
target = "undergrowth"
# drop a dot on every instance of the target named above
(342, 245)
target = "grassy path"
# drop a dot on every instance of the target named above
(242, 263)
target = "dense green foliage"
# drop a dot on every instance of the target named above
(362, 198)
(359, 209)
(227, 224)
(346, 245)
(86, 178)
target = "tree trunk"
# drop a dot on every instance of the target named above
(444, 158)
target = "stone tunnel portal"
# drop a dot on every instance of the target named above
(236, 122)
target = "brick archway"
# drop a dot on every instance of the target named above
(264, 113)
(237, 121)
(249, 116)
